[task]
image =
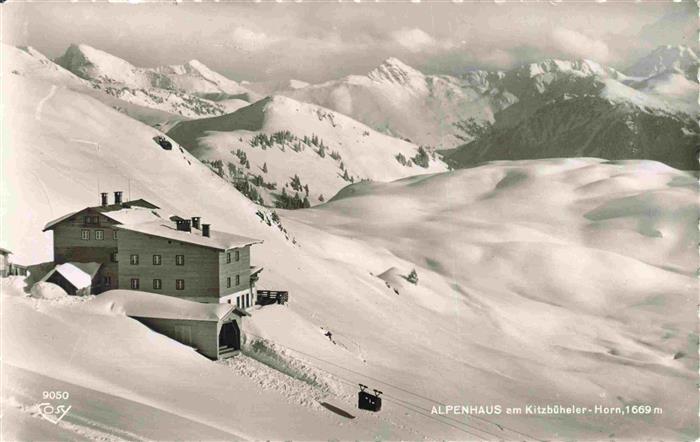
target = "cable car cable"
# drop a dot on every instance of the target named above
(500, 426)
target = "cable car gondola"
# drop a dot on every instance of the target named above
(369, 401)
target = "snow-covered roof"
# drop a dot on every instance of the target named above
(129, 212)
(132, 215)
(80, 274)
(52, 223)
(5, 251)
(166, 229)
(139, 304)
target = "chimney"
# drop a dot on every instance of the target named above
(118, 197)
(205, 230)
(183, 225)
(195, 222)
(104, 199)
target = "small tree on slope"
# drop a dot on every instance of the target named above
(413, 277)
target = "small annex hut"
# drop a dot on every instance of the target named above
(214, 330)
(76, 278)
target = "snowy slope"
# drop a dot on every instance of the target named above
(128, 382)
(30, 63)
(346, 149)
(398, 99)
(561, 281)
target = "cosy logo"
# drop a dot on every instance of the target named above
(51, 411)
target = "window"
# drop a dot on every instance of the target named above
(134, 283)
(157, 284)
(108, 281)
(247, 300)
(88, 220)
(238, 255)
(114, 234)
(228, 257)
(134, 260)
(85, 234)
(157, 259)
(113, 257)
(95, 219)
(228, 282)
(238, 301)
(179, 284)
(99, 235)
(238, 279)
(180, 260)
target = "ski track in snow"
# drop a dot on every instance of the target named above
(40, 105)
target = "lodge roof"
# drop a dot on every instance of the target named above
(128, 212)
(217, 239)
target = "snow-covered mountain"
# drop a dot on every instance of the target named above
(681, 59)
(401, 101)
(578, 109)
(29, 63)
(191, 90)
(279, 145)
(448, 112)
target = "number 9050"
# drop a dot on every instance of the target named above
(58, 395)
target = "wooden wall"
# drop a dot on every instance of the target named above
(230, 270)
(68, 245)
(200, 272)
(203, 335)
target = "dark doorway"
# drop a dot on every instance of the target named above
(230, 337)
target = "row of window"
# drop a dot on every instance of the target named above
(157, 284)
(92, 220)
(99, 234)
(157, 260)
(236, 256)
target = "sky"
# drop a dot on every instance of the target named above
(321, 41)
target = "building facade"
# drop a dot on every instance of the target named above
(88, 236)
(141, 249)
(190, 264)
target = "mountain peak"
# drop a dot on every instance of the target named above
(396, 71)
(197, 65)
(94, 64)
